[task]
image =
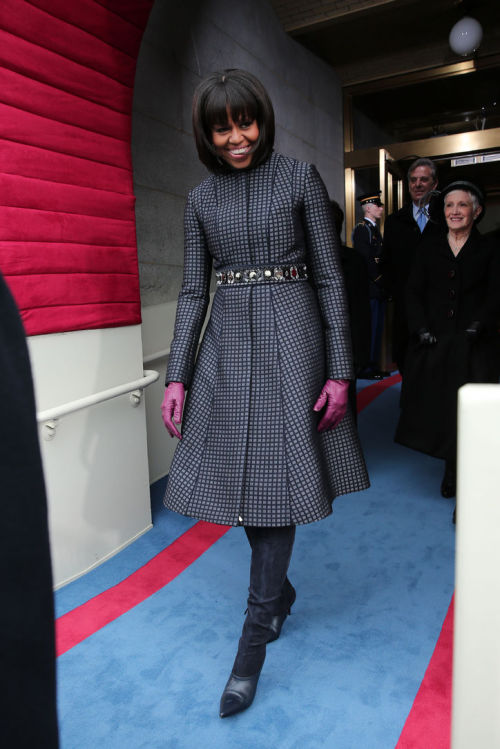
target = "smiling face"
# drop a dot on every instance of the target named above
(460, 211)
(420, 182)
(235, 141)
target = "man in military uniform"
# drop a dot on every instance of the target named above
(367, 240)
(358, 301)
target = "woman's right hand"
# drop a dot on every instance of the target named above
(171, 407)
(425, 337)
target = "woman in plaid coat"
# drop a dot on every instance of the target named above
(267, 440)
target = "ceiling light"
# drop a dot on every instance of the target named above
(465, 36)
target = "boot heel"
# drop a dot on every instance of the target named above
(278, 620)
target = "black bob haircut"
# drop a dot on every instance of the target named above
(244, 96)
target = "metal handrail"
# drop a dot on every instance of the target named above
(135, 388)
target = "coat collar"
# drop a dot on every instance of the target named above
(469, 247)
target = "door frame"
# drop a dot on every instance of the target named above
(385, 157)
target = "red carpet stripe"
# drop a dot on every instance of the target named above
(83, 621)
(429, 721)
(369, 393)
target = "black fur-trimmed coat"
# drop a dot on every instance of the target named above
(445, 294)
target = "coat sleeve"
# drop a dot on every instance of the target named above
(193, 299)
(489, 311)
(326, 271)
(416, 293)
(361, 241)
(387, 253)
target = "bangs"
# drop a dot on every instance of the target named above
(229, 96)
(237, 95)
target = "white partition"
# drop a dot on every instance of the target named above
(157, 333)
(476, 657)
(96, 465)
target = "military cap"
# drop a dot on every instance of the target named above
(370, 197)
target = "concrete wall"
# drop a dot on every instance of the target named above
(182, 43)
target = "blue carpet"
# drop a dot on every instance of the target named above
(373, 581)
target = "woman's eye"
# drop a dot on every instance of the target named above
(245, 124)
(221, 129)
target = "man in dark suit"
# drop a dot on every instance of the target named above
(367, 241)
(27, 647)
(403, 232)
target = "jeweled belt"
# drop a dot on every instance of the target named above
(270, 273)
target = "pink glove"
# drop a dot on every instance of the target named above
(334, 397)
(173, 402)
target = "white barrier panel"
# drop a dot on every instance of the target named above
(95, 463)
(476, 655)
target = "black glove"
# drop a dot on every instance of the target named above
(473, 330)
(425, 337)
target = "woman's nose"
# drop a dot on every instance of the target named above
(235, 135)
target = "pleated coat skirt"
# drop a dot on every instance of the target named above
(251, 453)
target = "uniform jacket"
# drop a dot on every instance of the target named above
(250, 452)
(402, 238)
(444, 295)
(367, 240)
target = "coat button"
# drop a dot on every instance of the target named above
(450, 313)
(452, 293)
(452, 273)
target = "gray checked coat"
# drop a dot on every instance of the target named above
(251, 453)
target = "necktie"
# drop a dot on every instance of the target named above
(421, 219)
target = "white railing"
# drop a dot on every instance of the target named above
(157, 355)
(49, 418)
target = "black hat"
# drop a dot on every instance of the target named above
(371, 197)
(463, 184)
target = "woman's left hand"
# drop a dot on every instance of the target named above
(334, 397)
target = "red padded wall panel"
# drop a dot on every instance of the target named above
(126, 34)
(31, 95)
(16, 191)
(67, 224)
(44, 29)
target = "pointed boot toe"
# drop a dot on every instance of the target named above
(238, 694)
(449, 482)
(448, 487)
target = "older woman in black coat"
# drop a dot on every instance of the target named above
(267, 439)
(453, 305)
